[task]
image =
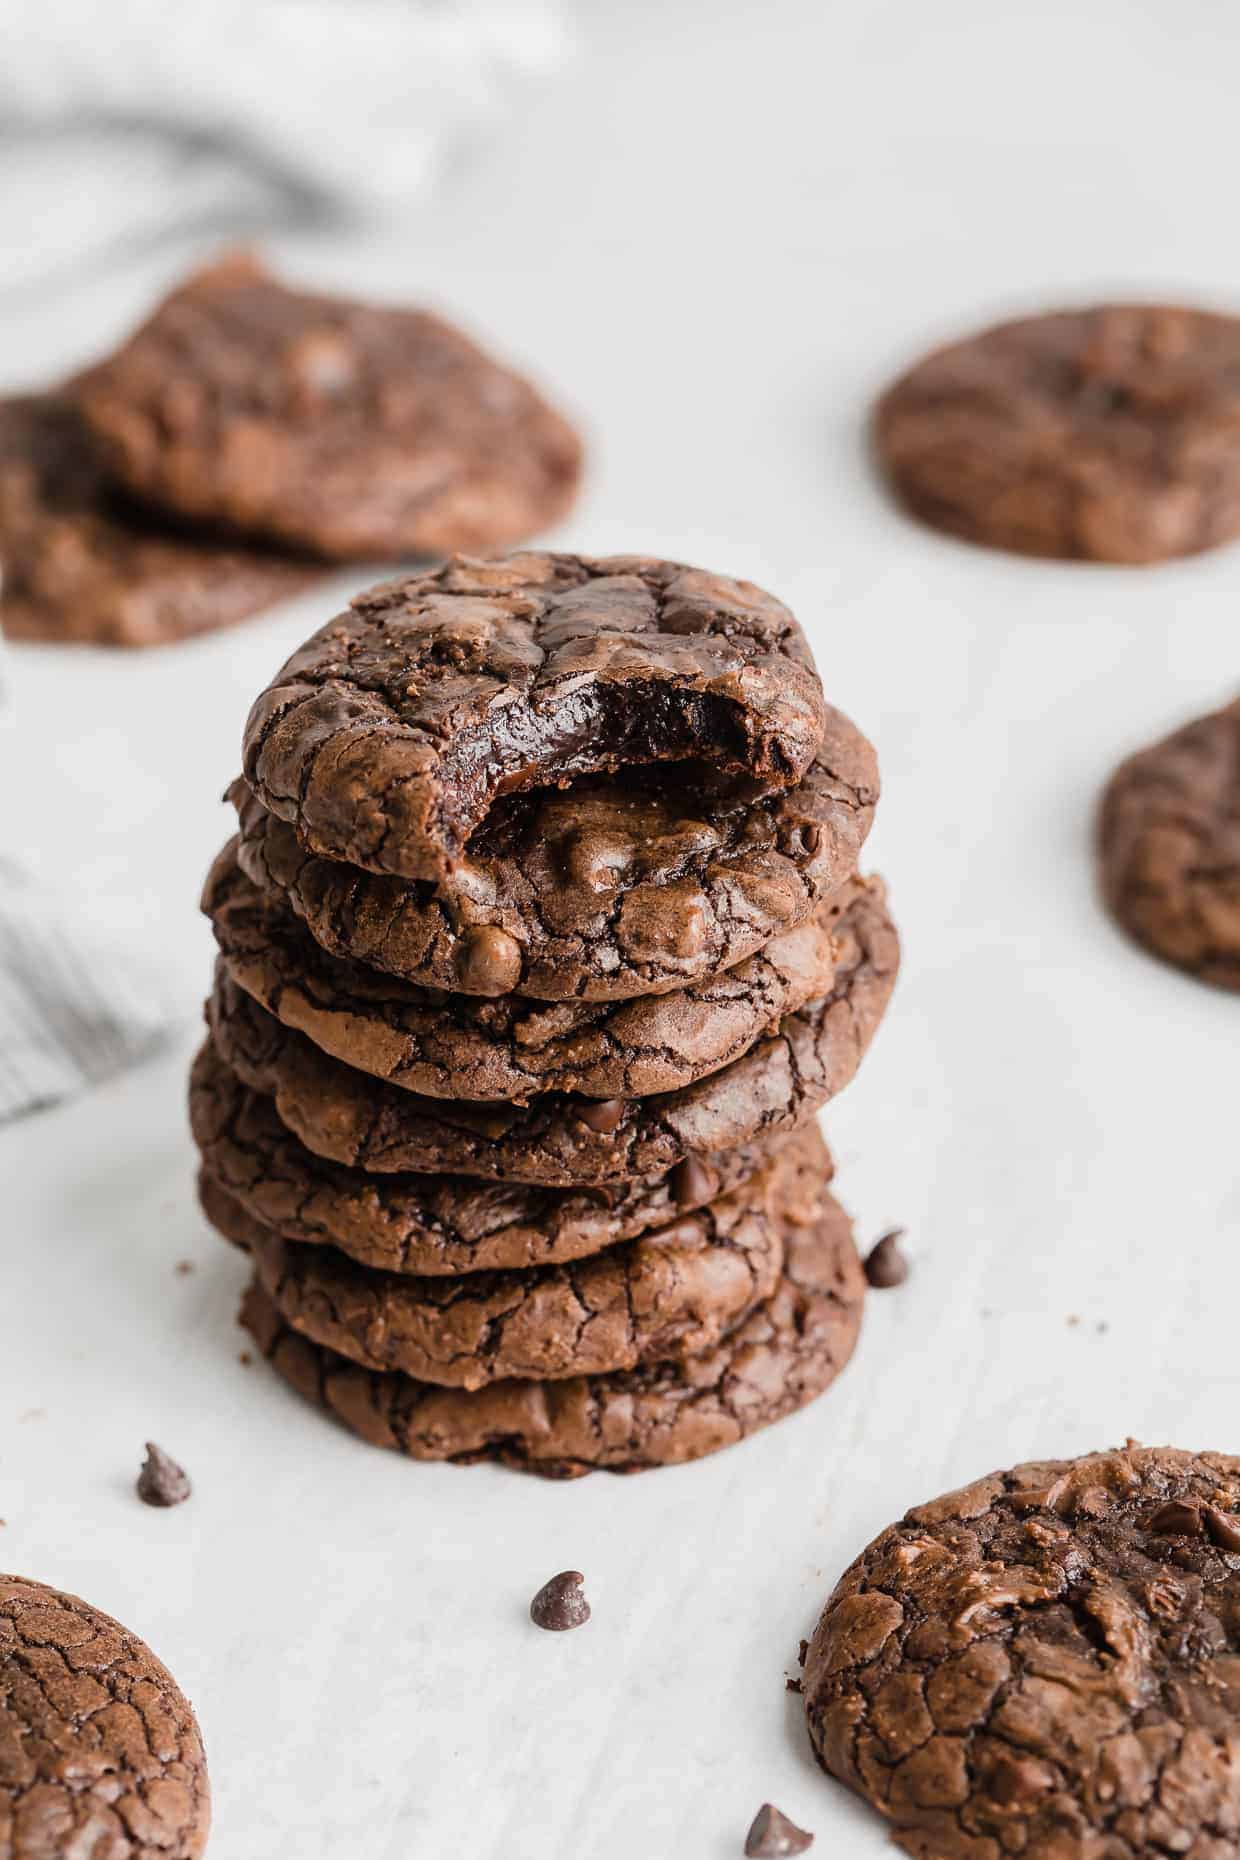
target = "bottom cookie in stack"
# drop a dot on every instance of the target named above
(669, 1339)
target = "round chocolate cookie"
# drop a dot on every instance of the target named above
(100, 1754)
(564, 1141)
(1046, 1663)
(674, 1293)
(429, 1224)
(80, 567)
(1111, 434)
(1169, 847)
(615, 886)
(387, 738)
(467, 1046)
(787, 1352)
(348, 429)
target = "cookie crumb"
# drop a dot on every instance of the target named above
(1073, 1321)
(561, 1603)
(772, 1834)
(162, 1482)
(184, 1267)
(245, 1358)
(791, 1684)
(885, 1264)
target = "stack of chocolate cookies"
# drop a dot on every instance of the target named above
(541, 943)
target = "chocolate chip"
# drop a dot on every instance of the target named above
(1221, 1527)
(489, 961)
(602, 1115)
(773, 1834)
(1177, 1518)
(561, 1603)
(693, 1182)
(885, 1264)
(162, 1481)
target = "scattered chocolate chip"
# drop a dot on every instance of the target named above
(773, 1834)
(791, 1684)
(885, 1264)
(602, 1115)
(693, 1182)
(1177, 1518)
(802, 1650)
(1222, 1528)
(162, 1481)
(561, 1603)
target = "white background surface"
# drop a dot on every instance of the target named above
(717, 240)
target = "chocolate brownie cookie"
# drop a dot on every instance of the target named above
(1111, 434)
(1169, 847)
(674, 1293)
(388, 737)
(77, 566)
(467, 1046)
(429, 1224)
(562, 1140)
(616, 886)
(1046, 1663)
(347, 429)
(100, 1754)
(779, 1359)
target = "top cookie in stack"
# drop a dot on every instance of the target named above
(541, 942)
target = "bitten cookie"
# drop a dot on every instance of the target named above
(674, 1293)
(1046, 1663)
(77, 566)
(621, 885)
(429, 1224)
(100, 1754)
(387, 738)
(561, 1140)
(778, 1360)
(346, 429)
(1169, 847)
(1111, 434)
(513, 1049)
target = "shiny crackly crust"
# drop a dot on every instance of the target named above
(428, 1224)
(673, 1293)
(386, 738)
(779, 1083)
(100, 1753)
(349, 429)
(1046, 1663)
(80, 569)
(780, 1358)
(603, 891)
(1111, 434)
(1169, 847)
(511, 1049)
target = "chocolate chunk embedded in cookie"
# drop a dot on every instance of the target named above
(563, 1140)
(467, 1046)
(429, 1224)
(620, 885)
(1045, 1663)
(389, 736)
(674, 1293)
(101, 1754)
(78, 566)
(1169, 847)
(1111, 434)
(778, 1360)
(347, 429)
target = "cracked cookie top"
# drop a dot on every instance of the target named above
(1111, 434)
(783, 1356)
(388, 737)
(1169, 847)
(673, 1293)
(350, 430)
(619, 885)
(100, 1753)
(82, 567)
(512, 1048)
(1046, 1663)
